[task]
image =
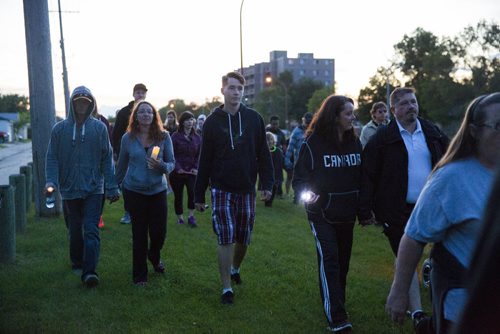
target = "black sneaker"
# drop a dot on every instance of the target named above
(227, 297)
(91, 280)
(236, 278)
(342, 327)
(420, 321)
(160, 268)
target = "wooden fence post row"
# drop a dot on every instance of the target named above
(7, 224)
(18, 181)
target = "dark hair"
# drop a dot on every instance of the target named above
(140, 86)
(463, 144)
(185, 116)
(376, 106)
(172, 112)
(274, 118)
(398, 92)
(324, 122)
(156, 132)
(234, 75)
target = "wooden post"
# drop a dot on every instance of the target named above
(30, 164)
(7, 224)
(28, 173)
(18, 181)
(42, 106)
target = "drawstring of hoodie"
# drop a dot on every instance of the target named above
(73, 140)
(239, 115)
(231, 129)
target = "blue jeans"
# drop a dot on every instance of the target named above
(84, 242)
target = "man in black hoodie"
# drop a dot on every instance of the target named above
(234, 150)
(120, 127)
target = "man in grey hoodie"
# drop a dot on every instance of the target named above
(79, 165)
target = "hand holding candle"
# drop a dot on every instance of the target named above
(153, 161)
(155, 152)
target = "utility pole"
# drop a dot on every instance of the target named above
(41, 88)
(65, 71)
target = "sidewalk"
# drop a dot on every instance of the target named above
(12, 156)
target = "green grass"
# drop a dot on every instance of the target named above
(279, 294)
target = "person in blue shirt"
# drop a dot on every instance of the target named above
(448, 213)
(79, 165)
(292, 151)
(146, 158)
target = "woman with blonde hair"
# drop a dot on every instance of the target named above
(448, 213)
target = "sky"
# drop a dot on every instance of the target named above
(181, 48)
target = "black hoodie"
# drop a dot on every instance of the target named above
(333, 174)
(233, 151)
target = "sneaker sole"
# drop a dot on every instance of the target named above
(91, 282)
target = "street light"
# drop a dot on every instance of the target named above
(268, 80)
(241, 37)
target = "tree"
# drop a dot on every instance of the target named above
(283, 94)
(317, 98)
(13, 103)
(208, 106)
(478, 56)
(300, 93)
(269, 102)
(178, 105)
(376, 91)
(16, 103)
(447, 73)
(423, 58)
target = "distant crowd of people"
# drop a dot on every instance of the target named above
(401, 173)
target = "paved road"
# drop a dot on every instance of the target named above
(13, 156)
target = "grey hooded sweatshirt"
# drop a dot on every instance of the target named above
(80, 158)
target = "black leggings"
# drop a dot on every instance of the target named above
(178, 182)
(149, 216)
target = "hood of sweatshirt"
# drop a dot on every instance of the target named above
(80, 92)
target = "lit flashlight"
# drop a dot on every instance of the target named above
(308, 197)
(50, 200)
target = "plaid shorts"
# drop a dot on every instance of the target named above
(233, 216)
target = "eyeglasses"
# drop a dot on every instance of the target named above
(494, 126)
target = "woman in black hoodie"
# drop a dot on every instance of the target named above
(327, 178)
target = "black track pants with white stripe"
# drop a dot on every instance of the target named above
(333, 246)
